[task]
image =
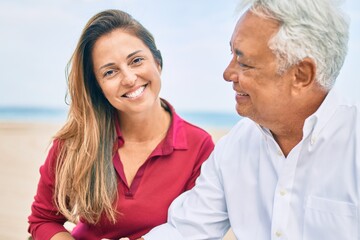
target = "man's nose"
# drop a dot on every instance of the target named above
(230, 74)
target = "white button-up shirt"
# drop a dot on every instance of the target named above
(248, 184)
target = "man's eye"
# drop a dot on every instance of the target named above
(244, 65)
(241, 64)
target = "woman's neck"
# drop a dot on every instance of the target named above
(145, 126)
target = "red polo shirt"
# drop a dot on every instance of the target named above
(171, 169)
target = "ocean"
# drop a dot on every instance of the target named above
(58, 115)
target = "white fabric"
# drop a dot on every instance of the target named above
(247, 183)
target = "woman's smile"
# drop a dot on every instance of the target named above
(135, 93)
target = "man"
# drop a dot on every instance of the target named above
(290, 169)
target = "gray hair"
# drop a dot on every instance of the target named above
(317, 29)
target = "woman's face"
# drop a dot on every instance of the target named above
(127, 72)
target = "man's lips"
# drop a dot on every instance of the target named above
(242, 94)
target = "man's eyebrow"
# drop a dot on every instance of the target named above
(239, 53)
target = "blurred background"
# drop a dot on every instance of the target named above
(39, 36)
(37, 40)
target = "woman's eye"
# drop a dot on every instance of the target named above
(109, 73)
(137, 60)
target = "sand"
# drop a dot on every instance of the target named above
(23, 148)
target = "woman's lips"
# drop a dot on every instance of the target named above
(135, 93)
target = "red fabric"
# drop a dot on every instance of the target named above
(171, 169)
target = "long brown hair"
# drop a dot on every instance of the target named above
(86, 185)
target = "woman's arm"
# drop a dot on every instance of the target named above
(62, 236)
(45, 220)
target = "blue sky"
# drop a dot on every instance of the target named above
(38, 38)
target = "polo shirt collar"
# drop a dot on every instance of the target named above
(315, 122)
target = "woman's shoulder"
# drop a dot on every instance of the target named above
(53, 152)
(180, 124)
(192, 128)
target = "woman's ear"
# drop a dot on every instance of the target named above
(305, 73)
(159, 66)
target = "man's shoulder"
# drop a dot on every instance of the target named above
(244, 132)
(244, 141)
(244, 126)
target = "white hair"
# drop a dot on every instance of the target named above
(317, 29)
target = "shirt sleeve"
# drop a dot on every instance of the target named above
(45, 220)
(199, 213)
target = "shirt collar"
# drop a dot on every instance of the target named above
(316, 122)
(175, 137)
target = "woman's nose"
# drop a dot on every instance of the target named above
(128, 77)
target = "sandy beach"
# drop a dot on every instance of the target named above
(23, 148)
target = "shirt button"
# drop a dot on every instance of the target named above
(278, 233)
(312, 140)
(283, 192)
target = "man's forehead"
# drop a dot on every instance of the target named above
(251, 24)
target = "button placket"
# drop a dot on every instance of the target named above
(313, 140)
(281, 207)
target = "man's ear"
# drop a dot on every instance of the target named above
(305, 73)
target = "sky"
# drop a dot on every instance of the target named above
(39, 36)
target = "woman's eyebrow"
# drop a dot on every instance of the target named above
(133, 53)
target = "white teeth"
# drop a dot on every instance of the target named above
(242, 94)
(135, 93)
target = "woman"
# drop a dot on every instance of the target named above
(123, 154)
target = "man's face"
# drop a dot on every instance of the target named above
(262, 94)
